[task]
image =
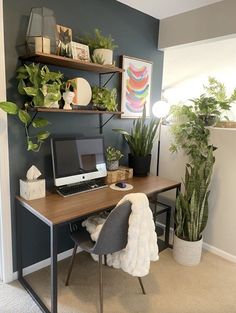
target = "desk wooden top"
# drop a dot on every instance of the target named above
(54, 209)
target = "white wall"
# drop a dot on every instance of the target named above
(5, 209)
(185, 70)
(213, 21)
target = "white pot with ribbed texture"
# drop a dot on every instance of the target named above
(187, 253)
(105, 54)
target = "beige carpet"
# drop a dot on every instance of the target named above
(207, 288)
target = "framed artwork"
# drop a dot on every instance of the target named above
(65, 38)
(136, 87)
(80, 51)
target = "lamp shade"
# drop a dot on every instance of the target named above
(161, 108)
(41, 33)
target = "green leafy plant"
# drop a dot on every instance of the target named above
(113, 154)
(141, 137)
(33, 142)
(104, 99)
(189, 132)
(217, 90)
(98, 41)
(39, 84)
(191, 212)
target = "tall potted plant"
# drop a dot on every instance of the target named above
(140, 141)
(190, 134)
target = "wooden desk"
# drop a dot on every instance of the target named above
(55, 211)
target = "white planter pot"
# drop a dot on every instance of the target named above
(112, 165)
(105, 54)
(187, 253)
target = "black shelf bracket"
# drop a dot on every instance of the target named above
(32, 119)
(102, 124)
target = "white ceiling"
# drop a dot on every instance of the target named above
(165, 8)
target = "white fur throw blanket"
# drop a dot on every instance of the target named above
(142, 239)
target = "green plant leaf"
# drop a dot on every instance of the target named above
(43, 135)
(24, 117)
(30, 91)
(40, 122)
(32, 146)
(9, 107)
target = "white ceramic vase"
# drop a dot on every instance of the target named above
(187, 253)
(68, 97)
(104, 54)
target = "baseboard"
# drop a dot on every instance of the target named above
(42, 264)
(223, 254)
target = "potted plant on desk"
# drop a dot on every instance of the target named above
(140, 141)
(113, 156)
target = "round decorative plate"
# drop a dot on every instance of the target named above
(83, 92)
(128, 187)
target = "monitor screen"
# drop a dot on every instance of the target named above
(77, 159)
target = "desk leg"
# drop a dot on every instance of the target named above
(53, 231)
(19, 241)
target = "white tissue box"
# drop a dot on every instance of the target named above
(32, 189)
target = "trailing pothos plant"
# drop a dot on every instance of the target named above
(33, 142)
(141, 137)
(40, 85)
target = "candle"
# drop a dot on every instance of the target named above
(42, 44)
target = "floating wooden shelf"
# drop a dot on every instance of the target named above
(57, 60)
(48, 110)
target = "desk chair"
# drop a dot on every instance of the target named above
(112, 238)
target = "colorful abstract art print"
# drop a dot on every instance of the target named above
(136, 87)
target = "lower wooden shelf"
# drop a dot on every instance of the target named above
(77, 111)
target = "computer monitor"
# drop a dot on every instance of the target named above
(77, 159)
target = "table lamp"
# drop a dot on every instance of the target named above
(160, 109)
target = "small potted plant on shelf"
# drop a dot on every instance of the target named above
(113, 156)
(101, 47)
(40, 84)
(104, 99)
(140, 141)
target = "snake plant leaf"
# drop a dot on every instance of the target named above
(24, 117)
(40, 122)
(9, 107)
(43, 135)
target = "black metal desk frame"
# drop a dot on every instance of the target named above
(53, 253)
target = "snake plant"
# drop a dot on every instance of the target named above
(141, 137)
(192, 206)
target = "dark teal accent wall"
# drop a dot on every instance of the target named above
(135, 33)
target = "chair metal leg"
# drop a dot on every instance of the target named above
(100, 284)
(141, 285)
(105, 259)
(71, 264)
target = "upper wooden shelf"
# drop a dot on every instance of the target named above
(57, 60)
(77, 111)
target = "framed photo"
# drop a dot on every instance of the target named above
(136, 87)
(65, 38)
(80, 52)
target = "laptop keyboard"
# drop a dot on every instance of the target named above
(70, 190)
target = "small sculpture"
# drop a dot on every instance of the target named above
(68, 97)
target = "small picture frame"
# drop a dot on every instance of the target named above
(65, 39)
(80, 51)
